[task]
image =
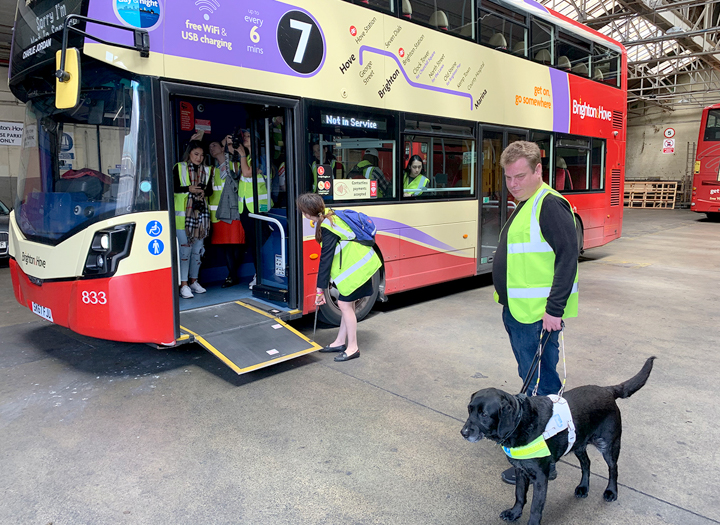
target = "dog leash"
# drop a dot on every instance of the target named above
(538, 359)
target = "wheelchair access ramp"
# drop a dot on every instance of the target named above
(243, 336)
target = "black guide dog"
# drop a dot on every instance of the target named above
(515, 421)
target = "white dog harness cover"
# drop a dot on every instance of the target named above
(560, 420)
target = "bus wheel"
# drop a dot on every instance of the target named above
(580, 235)
(330, 312)
(713, 216)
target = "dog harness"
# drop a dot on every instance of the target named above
(560, 420)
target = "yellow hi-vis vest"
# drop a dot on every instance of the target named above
(531, 264)
(359, 262)
(218, 184)
(368, 168)
(415, 186)
(181, 198)
(245, 190)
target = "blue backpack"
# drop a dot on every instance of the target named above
(361, 225)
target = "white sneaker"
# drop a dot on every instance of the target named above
(195, 287)
(185, 292)
(253, 282)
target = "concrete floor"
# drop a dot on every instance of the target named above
(95, 432)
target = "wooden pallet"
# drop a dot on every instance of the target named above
(650, 194)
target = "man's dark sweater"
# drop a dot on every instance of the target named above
(558, 229)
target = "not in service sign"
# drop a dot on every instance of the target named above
(11, 134)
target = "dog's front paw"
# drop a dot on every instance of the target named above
(610, 495)
(511, 514)
(581, 491)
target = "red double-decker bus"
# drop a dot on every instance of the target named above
(706, 180)
(93, 235)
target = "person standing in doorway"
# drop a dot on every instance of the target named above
(192, 219)
(225, 206)
(535, 269)
(247, 199)
(351, 268)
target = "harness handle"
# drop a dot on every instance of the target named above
(538, 358)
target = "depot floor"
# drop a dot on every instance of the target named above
(95, 432)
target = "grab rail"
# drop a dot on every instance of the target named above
(282, 237)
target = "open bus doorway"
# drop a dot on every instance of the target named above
(240, 310)
(250, 141)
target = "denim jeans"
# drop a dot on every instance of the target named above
(189, 256)
(525, 339)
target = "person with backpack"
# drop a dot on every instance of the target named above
(348, 259)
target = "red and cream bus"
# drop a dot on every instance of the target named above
(92, 234)
(706, 176)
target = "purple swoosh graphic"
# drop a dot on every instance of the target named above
(537, 5)
(413, 84)
(561, 100)
(414, 234)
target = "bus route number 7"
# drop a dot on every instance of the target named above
(305, 30)
(300, 42)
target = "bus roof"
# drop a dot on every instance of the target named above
(539, 10)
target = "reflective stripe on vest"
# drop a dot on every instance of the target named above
(218, 184)
(347, 273)
(416, 185)
(535, 449)
(180, 199)
(531, 264)
(245, 190)
(536, 244)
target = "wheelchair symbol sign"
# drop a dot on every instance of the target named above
(153, 228)
(156, 247)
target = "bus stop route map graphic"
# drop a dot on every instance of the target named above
(392, 77)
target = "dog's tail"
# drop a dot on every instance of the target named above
(635, 383)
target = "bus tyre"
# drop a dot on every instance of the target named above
(329, 313)
(580, 235)
(713, 216)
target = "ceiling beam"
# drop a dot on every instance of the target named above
(669, 20)
(620, 11)
(704, 54)
(671, 36)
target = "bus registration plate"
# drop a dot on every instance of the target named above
(42, 311)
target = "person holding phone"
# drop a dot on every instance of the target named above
(192, 217)
(226, 206)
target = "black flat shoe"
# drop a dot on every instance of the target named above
(333, 348)
(230, 282)
(345, 357)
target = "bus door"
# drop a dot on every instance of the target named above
(497, 203)
(269, 129)
(244, 325)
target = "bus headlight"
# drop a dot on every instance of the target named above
(107, 249)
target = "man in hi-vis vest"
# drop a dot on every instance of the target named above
(535, 268)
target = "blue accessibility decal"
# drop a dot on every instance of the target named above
(153, 228)
(156, 247)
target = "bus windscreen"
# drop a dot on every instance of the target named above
(89, 163)
(712, 126)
